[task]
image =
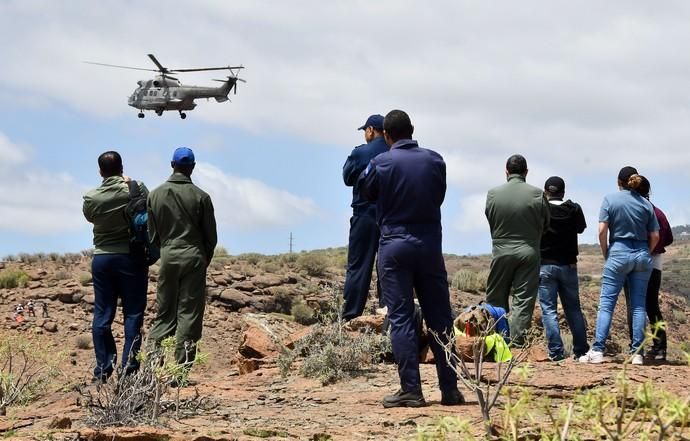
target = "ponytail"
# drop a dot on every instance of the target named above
(634, 182)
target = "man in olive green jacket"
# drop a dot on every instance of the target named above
(182, 223)
(115, 272)
(517, 213)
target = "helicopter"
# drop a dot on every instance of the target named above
(165, 92)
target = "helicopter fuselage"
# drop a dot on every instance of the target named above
(162, 94)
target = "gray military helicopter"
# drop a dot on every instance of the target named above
(166, 93)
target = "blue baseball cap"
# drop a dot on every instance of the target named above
(183, 156)
(375, 121)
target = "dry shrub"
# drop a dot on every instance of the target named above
(470, 281)
(142, 397)
(330, 353)
(82, 341)
(26, 369)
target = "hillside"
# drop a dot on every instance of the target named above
(246, 288)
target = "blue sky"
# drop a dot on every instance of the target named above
(579, 90)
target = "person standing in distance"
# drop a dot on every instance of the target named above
(408, 184)
(364, 233)
(558, 271)
(116, 273)
(518, 214)
(182, 223)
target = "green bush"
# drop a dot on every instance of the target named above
(283, 299)
(303, 313)
(13, 278)
(314, 264)
(85, 279)
(470, 281)
(251, 258)
(220, 251)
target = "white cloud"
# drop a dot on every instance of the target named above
(472, 217)
(41, 203)
(579, 88)
(250, 204)
(11, 154)
(36, 201)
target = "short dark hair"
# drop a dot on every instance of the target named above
(397, 125)
(516, 165)
(110, 164)
(185, 169)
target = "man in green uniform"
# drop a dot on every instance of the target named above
(517, 213)
(181, 222)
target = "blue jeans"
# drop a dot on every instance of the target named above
(117, 276)
(561, 281)
(628, 261)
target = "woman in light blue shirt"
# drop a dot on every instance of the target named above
(628, 231)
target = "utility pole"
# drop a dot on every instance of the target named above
(291, 242)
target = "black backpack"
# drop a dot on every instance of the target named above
(140, 246)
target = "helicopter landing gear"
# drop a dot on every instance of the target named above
(183, 115)
(141, 114)
(159, 112)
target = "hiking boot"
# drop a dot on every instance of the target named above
(656, 354)
(452, 398)
(592, 356)
(404, 399)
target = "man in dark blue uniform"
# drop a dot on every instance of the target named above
(408, 184)
(364, 233)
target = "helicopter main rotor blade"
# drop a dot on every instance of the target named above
(207, 68)
(120, 67)
(160, 66)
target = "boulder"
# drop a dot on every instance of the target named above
(234, 299)
(50, 327)
(34, 284)
(67, 295)
(373, 322)
(245, 285)
(236, 276)
(262, 339)
(89, 298)
(60, 423)
(257, 342)
(267, 280)
(220, 280)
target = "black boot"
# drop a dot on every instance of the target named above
(404, 399)
(452, 397)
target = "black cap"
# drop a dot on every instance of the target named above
(626, 172)
(554, 185)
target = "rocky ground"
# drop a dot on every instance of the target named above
(249, 304)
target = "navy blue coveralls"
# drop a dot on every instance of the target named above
(364, 233)
(408, 184)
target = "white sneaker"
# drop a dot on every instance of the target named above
(637, 359)
(592, 357)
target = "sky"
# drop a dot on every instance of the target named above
(579, 88)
